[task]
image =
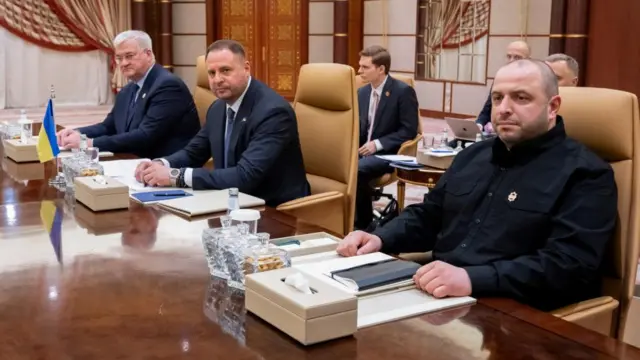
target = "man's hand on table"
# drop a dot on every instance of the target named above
(441, 279)
(70, 139)
(359, 243)
(153, 173)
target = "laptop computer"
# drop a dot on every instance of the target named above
(463, 129)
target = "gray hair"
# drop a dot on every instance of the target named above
(549, 79)
(571, 62)
(142, 38)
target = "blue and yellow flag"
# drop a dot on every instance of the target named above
(47, 143)
(51, 216)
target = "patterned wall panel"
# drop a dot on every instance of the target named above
(283, 45)
(240, 22)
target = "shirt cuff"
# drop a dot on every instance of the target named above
(163, 161)
(188, 177)
(484, 279)
(378, 144)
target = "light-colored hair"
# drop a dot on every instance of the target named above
(142, 38)
(572, 64)
(549, 79)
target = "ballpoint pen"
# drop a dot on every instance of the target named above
(169, 194)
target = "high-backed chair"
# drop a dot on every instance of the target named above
(202, 95)
(608, 122)
(409, 147)
(327, 110)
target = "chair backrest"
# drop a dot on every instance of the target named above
(608, 122)
(202, 95)
(327, 110)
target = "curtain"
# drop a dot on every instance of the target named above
(96, 22)
(441, 20)
(79, 78)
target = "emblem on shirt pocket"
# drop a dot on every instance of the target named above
(512, 197)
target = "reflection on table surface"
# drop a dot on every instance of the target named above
(134, 284)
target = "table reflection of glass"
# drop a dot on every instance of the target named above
(224, 305)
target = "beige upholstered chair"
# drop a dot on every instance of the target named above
(202, 95)
(327, 112)
(608, 122)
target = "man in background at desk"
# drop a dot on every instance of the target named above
(525, 215)
(251, 133)
(153, 116)
(388, 118)
(516, 50)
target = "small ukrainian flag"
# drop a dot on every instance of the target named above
(47, 143)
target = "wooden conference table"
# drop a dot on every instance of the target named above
(135, 285)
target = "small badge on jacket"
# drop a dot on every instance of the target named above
(512, 197)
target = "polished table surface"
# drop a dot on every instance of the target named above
(134, 284)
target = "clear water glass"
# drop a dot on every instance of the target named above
(93, 154)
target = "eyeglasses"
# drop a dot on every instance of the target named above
(128, 57)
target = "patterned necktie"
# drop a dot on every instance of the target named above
(372, 115)
(227, 135)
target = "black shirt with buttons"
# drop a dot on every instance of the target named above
(531, 223)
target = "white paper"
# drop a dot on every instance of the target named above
(121, 168)
(375, 309)
(403, 158)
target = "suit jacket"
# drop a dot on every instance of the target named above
(265, 158)
(396, 118)
(485, 115)
(162, 121)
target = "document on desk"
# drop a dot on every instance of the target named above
(208, 203)
(382, 304)
(124, 171)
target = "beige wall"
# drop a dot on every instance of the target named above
(320, 31)
(509, 20)
(189, 37)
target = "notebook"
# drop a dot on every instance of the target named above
(207, 203)
(376, 274)
(147, 197)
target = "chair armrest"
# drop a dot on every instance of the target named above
(310, 200)
(409, 147)
(586, 308)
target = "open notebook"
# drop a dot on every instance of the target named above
(207, 203)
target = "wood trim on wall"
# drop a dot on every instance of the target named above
(355, 32)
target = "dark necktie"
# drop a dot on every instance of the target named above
(132, 103)
(227, 135)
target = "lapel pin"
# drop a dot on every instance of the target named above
(244, 119)
(387, 94)
(512, 197)
(143, 95)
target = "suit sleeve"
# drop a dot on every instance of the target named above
(106, 128)
(485, 115)
(271, 136)
(198, 150)
(417, 227)
(571, 257)
(408, 106)
(166, 106)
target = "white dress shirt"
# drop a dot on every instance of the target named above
(378, 91)
(188, 172)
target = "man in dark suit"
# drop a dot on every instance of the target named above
(251, 133)
(153, 116)
(388, 118)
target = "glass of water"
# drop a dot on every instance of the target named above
(93, 154)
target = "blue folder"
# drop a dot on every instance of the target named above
(160, 195)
